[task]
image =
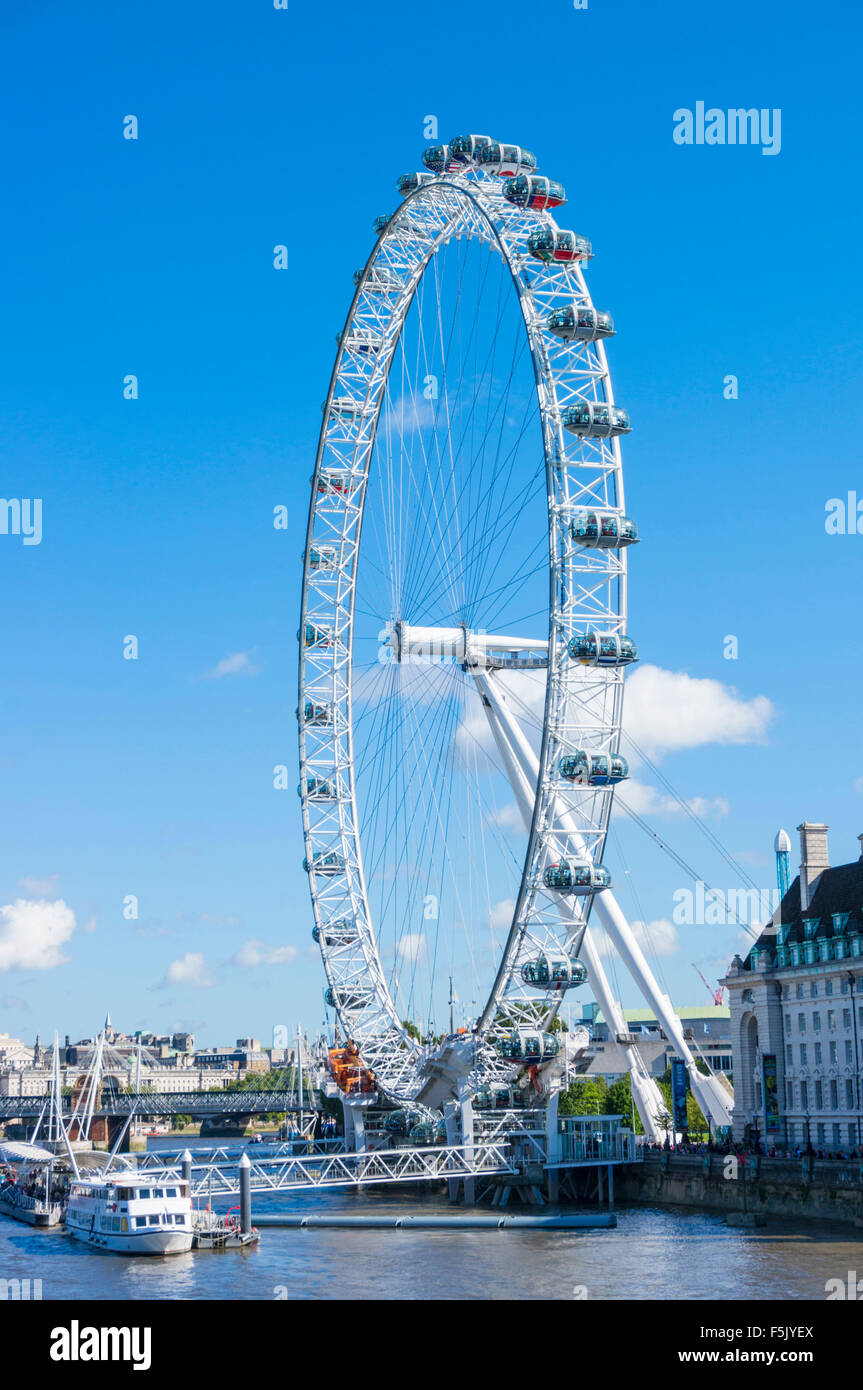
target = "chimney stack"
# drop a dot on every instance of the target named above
(860, 838)
(814, 859)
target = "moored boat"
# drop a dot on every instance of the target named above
(131, 1213)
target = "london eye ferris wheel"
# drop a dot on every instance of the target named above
(463, 637)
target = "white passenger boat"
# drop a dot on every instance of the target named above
(29, 1190)
(131, 1213)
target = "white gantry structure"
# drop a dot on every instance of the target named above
(464, 632)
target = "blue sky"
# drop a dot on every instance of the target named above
(155, 257)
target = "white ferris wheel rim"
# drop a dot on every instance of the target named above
(582, 472)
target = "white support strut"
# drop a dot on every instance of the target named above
(710, 1095)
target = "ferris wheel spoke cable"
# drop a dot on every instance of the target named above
(694, 816)
(715, 893)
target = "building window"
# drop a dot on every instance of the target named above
(789, 1055)
(837, 1135)
(834, 1095)
(804, 1095)
(828, 988)
(831, 1019)
(801, 1022)
(800, 991)
(819, 1096)
(834, 1052)
(816, 1021)
(849, 1050)
(789, 1090)
(846, 1018)
(818, 1054)
(849, 1095)
(820, 1134)
(813, 990)
(803, 1054)
(788, 1022)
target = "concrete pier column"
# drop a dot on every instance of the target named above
(186, 1168)
(611, 1187)
(245, 1170)
(466, 1110)
(552, 1146)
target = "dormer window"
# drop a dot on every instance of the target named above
(810, 927)
(782, 933)
(840, 922)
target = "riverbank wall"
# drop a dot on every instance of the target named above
(811, 1189)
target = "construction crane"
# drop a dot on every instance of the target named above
(715, 994)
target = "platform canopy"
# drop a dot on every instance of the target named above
(25, 1153)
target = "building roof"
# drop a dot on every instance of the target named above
(708, 1011)
(837, 890)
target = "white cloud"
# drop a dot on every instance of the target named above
(33, 933)
(238, 663)
(91, 924)
(508, 818)
(39, 887)
(668, 710)
(645, 800)
(500, 917)
(256, 952)
(412, 948)
(190, 969)
(657, 938)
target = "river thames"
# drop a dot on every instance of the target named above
(652, 1253)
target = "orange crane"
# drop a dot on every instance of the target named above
(715, 994)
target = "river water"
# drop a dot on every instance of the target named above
(652, 1253)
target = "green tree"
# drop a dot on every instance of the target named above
(585, 1097)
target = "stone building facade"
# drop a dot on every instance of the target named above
(796, 1004)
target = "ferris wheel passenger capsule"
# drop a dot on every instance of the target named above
(554, 245)
(362, 340)
(318, 715)
(409, 183)
(528, 1045)
(594, 769)
(318, 789)
(505, 160)
(553, 972)
(534, 191)
(318, 636)
(574, 324)
(440, 160)
(602, 530)
(341, 932)
(396, 1122)
(327, 862)
(335, 482)
(381, 223)
(348, 999)
(323, 557)
(577, 878)
(465, 148)
(602, 649)
(595, 420)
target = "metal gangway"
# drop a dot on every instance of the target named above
(289, 1171)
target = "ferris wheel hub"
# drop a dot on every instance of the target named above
(473, 649)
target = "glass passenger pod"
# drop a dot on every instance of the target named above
(499, 1098)
(553, 972)
(505, 160)
(396, 1122)
(602, 649)
(409, 183)
(320, 716)
(381, 223)
(328, 862)
(340, 932)
(552, 244)
(323, 557)
(315, 636)
(465, 148)
(574, 324)
(534, 191)
(440, 160)
(348, 998)
(595, 420)
(362, 340)
(576, 878)
(336, 482)
(528, 1045)
(346, 408)
(602, 530)
(422, 1133)
(319, 789)
(380, 279)
(594, 769)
